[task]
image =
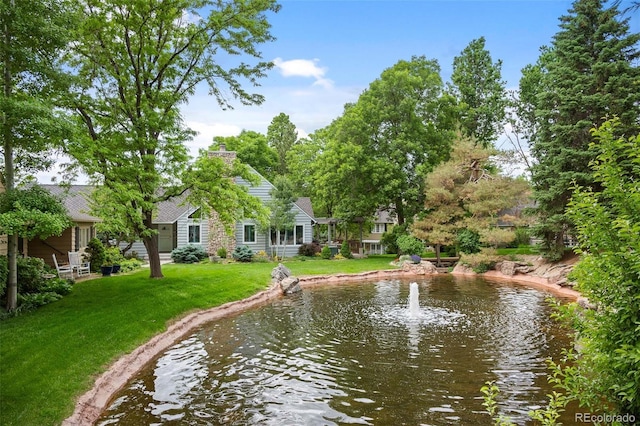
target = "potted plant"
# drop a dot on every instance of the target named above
(113, 257)
(106, 268)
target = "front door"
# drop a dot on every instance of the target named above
(165, 238)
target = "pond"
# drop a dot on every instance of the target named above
(355, 353)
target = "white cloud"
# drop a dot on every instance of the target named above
(307, 68)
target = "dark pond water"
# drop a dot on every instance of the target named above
(353, 354)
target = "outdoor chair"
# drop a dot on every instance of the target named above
(64, 271)
(75, 261)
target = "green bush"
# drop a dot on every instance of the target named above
(242, 254)
(130, 264)
(95, 253)
(468, 241)
(481, 262)
(408, 244)
(390, 239)
(222, 253)
(188, 254)
(57, 285)
(345, 250)
(325, 253)
(30, 274)
(28, 302)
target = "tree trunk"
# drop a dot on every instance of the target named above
(437, 254)
(9, 176)
(400, 211)
(151, 244)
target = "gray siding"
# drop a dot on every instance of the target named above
(263, 239)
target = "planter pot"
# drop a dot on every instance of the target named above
(116, 269)
(106, 270)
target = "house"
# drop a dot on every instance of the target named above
(382, 222)
(74, 238)
(180, 223)
(248, 233)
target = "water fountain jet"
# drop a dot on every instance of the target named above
(414, 303)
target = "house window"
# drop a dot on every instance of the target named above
(288, 237)
(299, 234)
(194, 234)
(379, 228)
(83, 235)
(249, 234)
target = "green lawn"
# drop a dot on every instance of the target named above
(50, 356)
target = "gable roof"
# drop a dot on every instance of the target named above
(74, 198)
(304, 203)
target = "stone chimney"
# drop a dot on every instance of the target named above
(218, 237)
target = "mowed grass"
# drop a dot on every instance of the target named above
(52, 355)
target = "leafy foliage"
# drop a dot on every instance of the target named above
(309, 249)
(345, 250)
(390, 238)
(325, 253)
(410, 245)
(605, 376)
(282, 137)
(252, 149)
(242, 254)
(478, 86)
(95, 253)
(468, 241)
(31, 213)
(188, 254)
(129, 96)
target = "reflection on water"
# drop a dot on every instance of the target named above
(353, 354)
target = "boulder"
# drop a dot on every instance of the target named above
(290, 285)
(280, 272)
(423, 268)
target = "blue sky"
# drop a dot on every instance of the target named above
(328, 52)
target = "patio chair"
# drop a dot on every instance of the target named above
(64, 271)
(76, 263)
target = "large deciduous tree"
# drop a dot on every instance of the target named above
(467, 192)
(588, 74)
(252, 149)
(139, 62)
(32, 37)
(477, 84)
(379, 151)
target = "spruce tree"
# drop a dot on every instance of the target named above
(588, 75)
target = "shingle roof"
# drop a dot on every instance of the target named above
(305, 205)
(74, 198)
(171, 210)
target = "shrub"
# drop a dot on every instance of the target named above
(30, 274)
(222, 253)
(410, 245)
(95, 253)
(523, 237)
(242, 254)
(27, 302)
(130, 264)
(113, 256)
(468, 241)
(309, 249)
(390, 239)
(188, 254)
(345, 250)
(480, 262)
(325, 253)
(57, 285)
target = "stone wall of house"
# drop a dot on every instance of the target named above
(218, 237)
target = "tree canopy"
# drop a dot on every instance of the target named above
(588, 74)
(478, 86)
(138, 63)
(467, 192)
(282, 136)
(252, 149)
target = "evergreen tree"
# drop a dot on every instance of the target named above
(282, 136)
(588, 75)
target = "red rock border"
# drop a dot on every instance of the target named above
(92, 404)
